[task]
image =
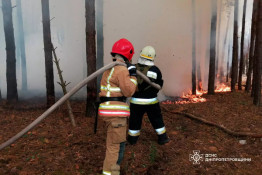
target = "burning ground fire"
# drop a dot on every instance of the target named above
(190, 98)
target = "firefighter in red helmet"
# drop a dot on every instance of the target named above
(117, 83)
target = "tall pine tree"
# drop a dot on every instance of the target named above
(252, 46)
(90, 56)
(12, 94)
(258, 57)
(212, 62)
(50, 88)
(193, 47)
(235, 49)
(241, 65)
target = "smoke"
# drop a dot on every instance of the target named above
(2, 54)
(68, 35)
(165, 25)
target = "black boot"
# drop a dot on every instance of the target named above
(163, 139)
(132, 139)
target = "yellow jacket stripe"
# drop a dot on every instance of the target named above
(108, 82)
(106, 173)
(122, 107)
(116, 82)
(143, 101)
(111, 89)
(133, 81)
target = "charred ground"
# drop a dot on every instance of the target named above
(55, 147)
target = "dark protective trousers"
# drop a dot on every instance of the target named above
(137, 112)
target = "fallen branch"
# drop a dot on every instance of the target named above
(233, 133)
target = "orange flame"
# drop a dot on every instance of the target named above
(222, 88)
(190, 98)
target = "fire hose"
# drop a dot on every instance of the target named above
(67, 96)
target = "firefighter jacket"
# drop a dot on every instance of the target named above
(116, 82)
(145, 93)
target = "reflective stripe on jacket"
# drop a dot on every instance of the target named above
(106, 173)
(144, 101)
(116, 82)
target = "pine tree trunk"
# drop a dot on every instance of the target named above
(258, 57)
(228, 65)
(228, 60)
(241, 65)
(235, 49)
(252, 46)
(254, 68)
(12, 94)
(50, 89)
(212, 62)
(22, 44)
(229, 52)
(200, 83)
(17, 52)
(218, 41)
(224, 52)
(193, 47)
(99, 37)
(246, 65)
(91, 56)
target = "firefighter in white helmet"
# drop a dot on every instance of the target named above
(145, 99)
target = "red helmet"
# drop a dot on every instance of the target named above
(123, 47)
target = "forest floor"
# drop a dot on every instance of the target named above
(55, 147)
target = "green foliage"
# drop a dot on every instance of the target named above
(181, 128)
(35, 155)
(81, 171)
(42, 139)
(133, 155)
(153, 152)
(27, 135)
(243, 103)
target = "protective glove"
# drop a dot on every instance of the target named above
(131, 68)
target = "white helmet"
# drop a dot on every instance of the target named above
(148, 52)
